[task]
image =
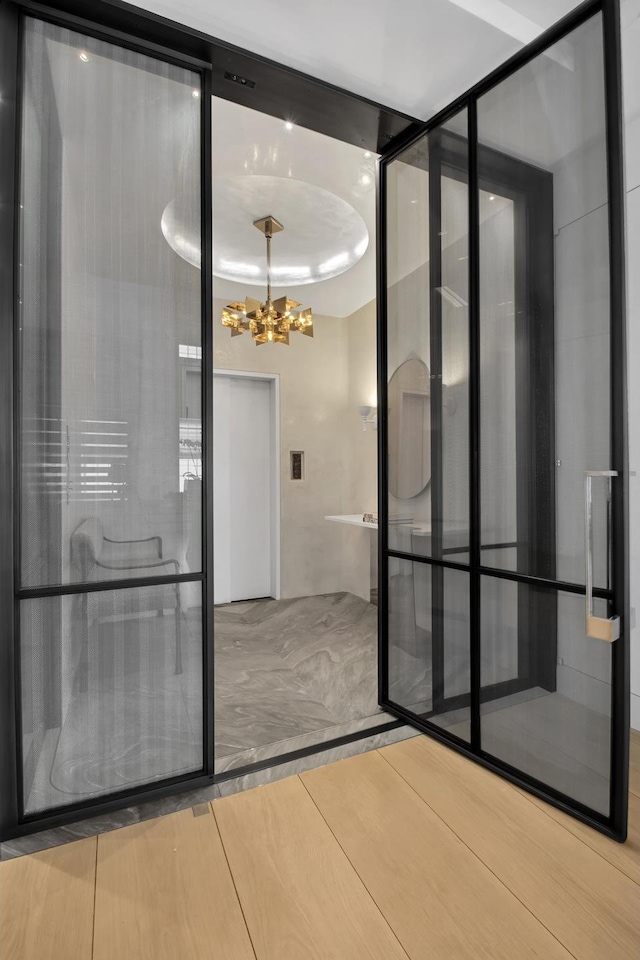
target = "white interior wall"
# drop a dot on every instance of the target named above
(322, 383)
(361, 546)
(630, 21)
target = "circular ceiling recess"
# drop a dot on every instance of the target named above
(323, 235)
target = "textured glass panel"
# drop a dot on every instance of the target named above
(551, 714)
(429, 643)
(111, 691)
(427, 343)
(110, 419)
(544, 330)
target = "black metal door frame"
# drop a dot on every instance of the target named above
(279, 91)
(618, 597)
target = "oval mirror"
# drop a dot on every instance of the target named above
(409, 430)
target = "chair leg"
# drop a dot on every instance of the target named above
(178, 632)
(83, 660)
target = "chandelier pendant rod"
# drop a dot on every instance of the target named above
(268, 237)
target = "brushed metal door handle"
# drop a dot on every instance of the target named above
(601, 628)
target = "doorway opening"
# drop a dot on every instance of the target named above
(246, 486)
(295, 665)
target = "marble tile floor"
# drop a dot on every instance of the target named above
(289, 674)
(293, 672)
(130, 720)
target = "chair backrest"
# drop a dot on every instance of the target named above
(86, 546)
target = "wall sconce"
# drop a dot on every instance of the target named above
(365, 414)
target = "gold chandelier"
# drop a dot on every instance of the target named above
(272, 321)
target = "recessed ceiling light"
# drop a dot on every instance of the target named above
(367, 154)
(414, 201)
(333, 263)
(365, 179)
(195, 94)
(84, 56)
(288, 125)
(492, 197)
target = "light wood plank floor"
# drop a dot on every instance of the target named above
(409, 851)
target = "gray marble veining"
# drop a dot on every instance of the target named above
(133, 721)
(280, 747)
(293, 672)
(282, 770)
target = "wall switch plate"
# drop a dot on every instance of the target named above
(296, 465)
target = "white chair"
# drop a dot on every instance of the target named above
(98, 558)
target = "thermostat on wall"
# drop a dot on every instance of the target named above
(296, 471)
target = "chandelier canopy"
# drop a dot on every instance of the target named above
(273, 320)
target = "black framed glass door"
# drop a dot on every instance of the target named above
(111, 589)
(502, 433)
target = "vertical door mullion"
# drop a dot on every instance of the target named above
(9, 142)
(474, 424)
(383, 498)
(435, 406)
(620, 662)
(206, 200)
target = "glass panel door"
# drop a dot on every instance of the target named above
(111, 583)
(428, 452)
(500, 313)
(545, 415)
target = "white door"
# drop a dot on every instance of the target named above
(243, 458)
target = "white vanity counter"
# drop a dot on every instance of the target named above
(355, 519)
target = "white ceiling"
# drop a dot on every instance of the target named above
(412, 55)
(247, 143)
(409, 55)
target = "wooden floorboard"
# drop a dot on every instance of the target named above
(440, 900)
(164, 891)
(46, 904)
(300, 895)
(411, 851)
(588, 904)
(624, 856)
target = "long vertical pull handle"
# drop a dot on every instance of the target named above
(602, 628)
